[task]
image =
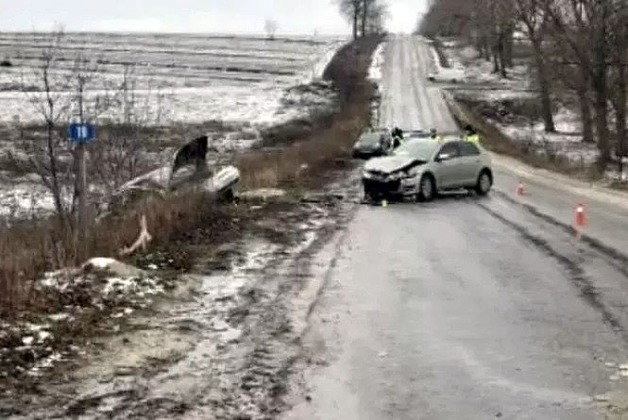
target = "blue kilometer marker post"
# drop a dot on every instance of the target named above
(80, 132)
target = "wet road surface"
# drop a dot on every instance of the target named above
(461, 308)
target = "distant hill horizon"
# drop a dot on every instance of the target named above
(253, 35)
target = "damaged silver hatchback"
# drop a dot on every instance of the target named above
(422, 167)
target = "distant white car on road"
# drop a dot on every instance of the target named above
(447, 75)
(422, 167)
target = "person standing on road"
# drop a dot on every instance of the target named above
(397, 132)
(434, 135)
(397, 137)
(471, 135)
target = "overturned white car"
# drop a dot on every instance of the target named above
(189, 168)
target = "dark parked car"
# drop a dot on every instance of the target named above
(372, 143)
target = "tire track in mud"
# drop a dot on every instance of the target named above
(574, 270)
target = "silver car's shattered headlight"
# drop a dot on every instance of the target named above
(400, 175)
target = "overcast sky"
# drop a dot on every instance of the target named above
(239, 16)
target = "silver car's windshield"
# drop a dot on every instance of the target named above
(418, 149)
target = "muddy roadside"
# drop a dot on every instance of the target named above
(213, 325)
(221, 344)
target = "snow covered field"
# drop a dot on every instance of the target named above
(183, 78)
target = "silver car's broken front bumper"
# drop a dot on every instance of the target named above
(388, 186)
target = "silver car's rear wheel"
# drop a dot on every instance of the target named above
(427, 189)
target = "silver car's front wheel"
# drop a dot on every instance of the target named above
(427, 189)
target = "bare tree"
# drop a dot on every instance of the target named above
(503, 25)
(351, 10)
(115, 157)
(60, 165)
(619, 77)
(582, 26)
(532, 14)
(366, 16)
(270, 26)
(51, 106)
(374, 16)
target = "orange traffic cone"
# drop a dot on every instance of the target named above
(520, 188)
(579, 216)
(579, 220)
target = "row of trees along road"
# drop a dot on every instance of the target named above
(578, 46)
(367, 17)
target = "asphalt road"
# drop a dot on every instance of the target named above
(463, 308)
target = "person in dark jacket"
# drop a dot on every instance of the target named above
(397, 136)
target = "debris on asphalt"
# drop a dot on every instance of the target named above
(263, 193)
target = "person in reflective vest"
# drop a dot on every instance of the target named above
(434, 135)
(471, 135)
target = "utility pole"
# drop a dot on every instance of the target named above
(81, 175)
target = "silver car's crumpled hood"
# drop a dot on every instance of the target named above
(388, 164)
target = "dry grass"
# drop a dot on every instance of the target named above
(300, 162)
(27, 250)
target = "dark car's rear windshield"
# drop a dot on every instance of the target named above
(370, 138)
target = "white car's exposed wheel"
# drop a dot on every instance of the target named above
(485, 182)
(427, 188)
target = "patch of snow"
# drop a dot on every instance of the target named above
(496, 95)
(100, 262)
(126, 290)
(62, 316)
(480, 71)
(567, 144)
(435, 59)
(256, 257)
(377, 62)
(320, 64)
(18, 201)
(45, 363)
